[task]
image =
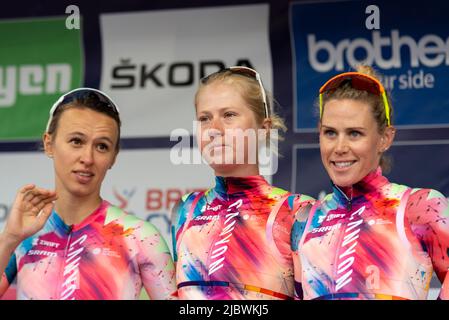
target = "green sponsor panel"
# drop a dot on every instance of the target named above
(39, 60)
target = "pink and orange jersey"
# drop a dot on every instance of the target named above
(233, 241)
(375, 240)
(109, 255)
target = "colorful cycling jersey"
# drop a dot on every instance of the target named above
(384, 242)
(109, 255)
(233, 241)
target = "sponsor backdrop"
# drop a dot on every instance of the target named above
(150, 56)
(38, 61)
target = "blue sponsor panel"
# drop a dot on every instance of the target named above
(413, 57)
(308, 173)
(420, 164)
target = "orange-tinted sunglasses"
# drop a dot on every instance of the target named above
(358, 81)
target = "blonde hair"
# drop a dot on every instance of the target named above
(346, 91)
(250, 91)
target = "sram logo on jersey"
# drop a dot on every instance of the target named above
(323, 219)
(429, 51)
(326, 228)
(41, 253)
(40, 248)
(207, 218)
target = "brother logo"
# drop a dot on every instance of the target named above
(430, 51)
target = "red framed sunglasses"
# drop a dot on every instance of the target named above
(358, 81)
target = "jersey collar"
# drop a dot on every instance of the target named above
(372, 182)
(98, 214)
(236, 185)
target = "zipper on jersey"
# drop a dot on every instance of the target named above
(341, 234)
(64, 259)
(340, 237)
(69, 232)
(348, 200)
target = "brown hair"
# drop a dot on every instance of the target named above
(88, 102)
(346, 91)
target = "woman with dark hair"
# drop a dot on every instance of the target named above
(70, 243)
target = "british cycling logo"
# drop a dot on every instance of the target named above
(123, 197)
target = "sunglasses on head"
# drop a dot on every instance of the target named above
(250, 73)
(358, 81)
(98, 96)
